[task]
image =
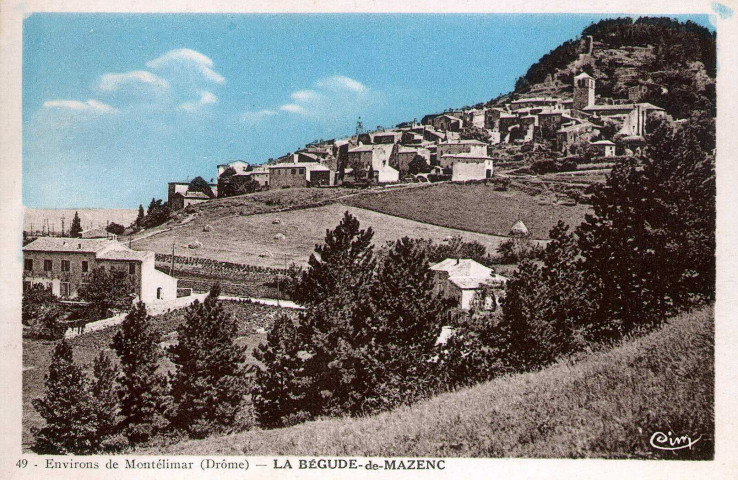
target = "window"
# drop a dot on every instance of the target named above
(64, 289)
(28, 264)
(65, 265)
(85, 266)
(293, 171)
(131, 268)
(47, 265)
(158, 293)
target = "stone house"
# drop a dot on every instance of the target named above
(453, 147)
(447, 122)
(178, 201)
(604, 148)
(65, 264)
(287, 175)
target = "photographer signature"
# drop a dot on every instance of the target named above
(664, 441)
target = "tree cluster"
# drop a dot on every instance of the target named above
(366, 340)
(647, 252)
(230, 184)
(137, 402)
(157, 213)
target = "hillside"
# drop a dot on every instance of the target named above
(673, 63)
(605, 404)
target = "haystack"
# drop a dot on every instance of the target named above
(519, 230)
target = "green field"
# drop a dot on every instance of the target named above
(252, 319)
(241, 239)
(604, 404)
(474, 207)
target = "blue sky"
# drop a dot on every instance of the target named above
(116, 106)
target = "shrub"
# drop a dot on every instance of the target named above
(106, 291)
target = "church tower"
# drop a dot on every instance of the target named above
(584, 91)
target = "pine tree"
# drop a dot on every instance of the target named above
(404, 326)
(209, 383)
(140, 217)
(105, 400)
(653, 232)
(75, 230)
(144, 392)
(66, 407)
(336, 289)
(276, 394)
(548, 307)
(344, 262)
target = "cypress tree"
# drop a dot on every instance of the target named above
(141, 215)
(209, 384)
(144, 392)
(75, 231)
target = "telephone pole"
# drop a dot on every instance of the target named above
(171, 266)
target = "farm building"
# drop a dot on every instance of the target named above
(460, 279)
(64, 265)
(467, 166)
(604, 148)
(178, 201)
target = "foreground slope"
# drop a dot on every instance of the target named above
(606, 404)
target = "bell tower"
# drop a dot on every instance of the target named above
(584, 91)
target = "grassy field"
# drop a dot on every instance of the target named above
(606, 404)
(241, 239)
(474, 207)
(252, 319)
(267, 201)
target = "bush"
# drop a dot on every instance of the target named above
(115, 229)
(106, 291)
(514, 250)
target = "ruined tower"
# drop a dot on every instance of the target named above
(584, 91)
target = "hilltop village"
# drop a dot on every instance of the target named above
(459, 145)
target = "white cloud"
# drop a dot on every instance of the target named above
(188, 58)
(113, 81)
(88, 106)
(206, 98)
(293, 108)
(340, 82)
(251, 117)
(306, 96)
(331, 99)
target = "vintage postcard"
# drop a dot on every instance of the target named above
(311, 239)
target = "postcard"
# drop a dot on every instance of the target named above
(327, 239)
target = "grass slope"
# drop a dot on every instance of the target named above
(473, 207)
(604, 405)
(241, 239)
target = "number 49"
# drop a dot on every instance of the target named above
(22, 463)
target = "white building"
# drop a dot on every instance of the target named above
(460, 279)
(64, 265)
